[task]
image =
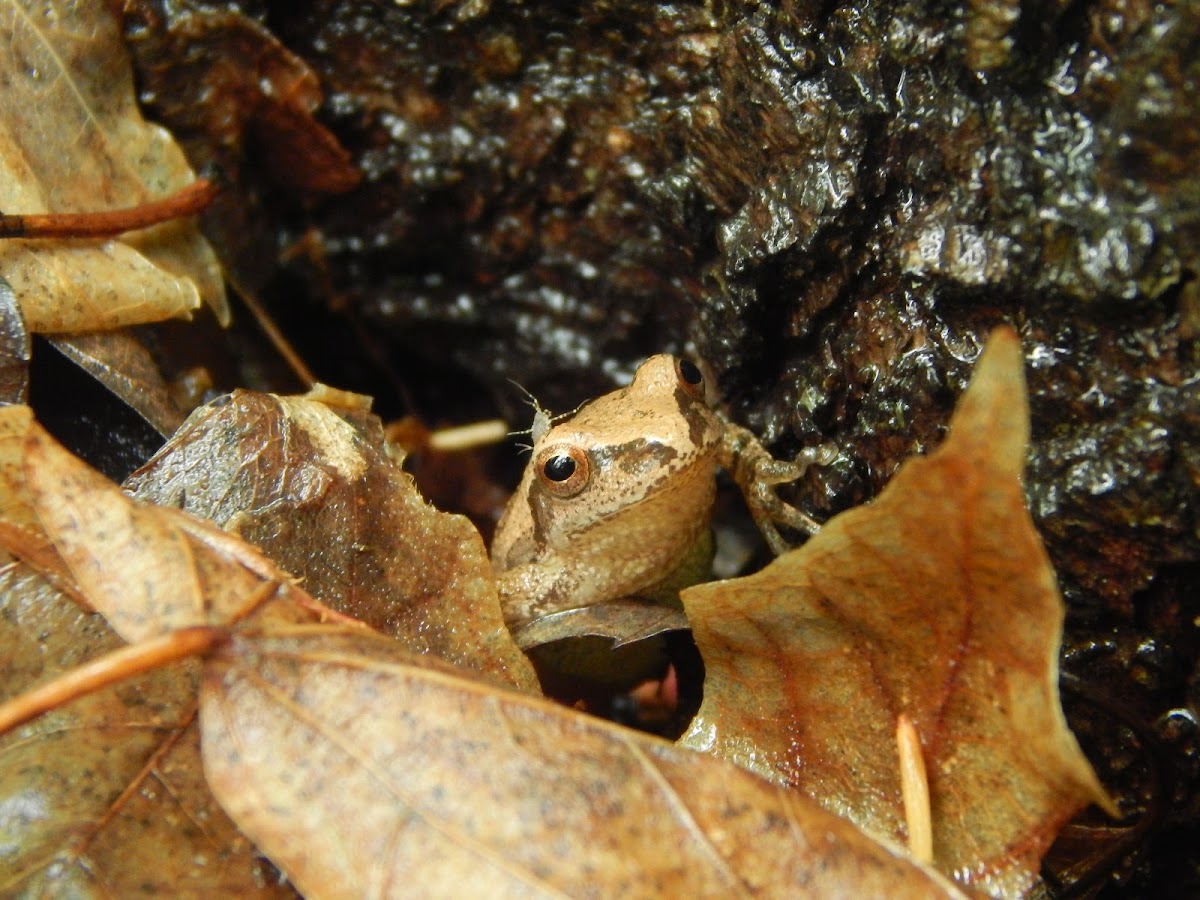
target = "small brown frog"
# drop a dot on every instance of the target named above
(616, 500)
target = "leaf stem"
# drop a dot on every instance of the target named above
(106, 670)
(186, 201)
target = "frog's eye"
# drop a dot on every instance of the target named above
(691, 379)
(563, 470)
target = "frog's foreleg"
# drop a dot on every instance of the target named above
(756, 474)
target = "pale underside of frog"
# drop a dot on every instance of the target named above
(616, 500)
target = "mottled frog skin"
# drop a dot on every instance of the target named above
(617, 498)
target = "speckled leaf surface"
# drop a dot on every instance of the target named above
(360, 769)
(148, 570)
(364, 771)
(315, 489)
(936, 601)
(105, 797)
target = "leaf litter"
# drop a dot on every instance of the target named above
(313, 487)
(73, 140)
(357, 766)
(105, 796)
(976, 471)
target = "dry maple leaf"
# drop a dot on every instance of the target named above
(72, 140)
(363, 770)
(938, 602)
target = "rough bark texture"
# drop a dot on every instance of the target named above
(832, 203)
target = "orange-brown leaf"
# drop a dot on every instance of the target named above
(20, 531)
(937, 601)
(364, 771)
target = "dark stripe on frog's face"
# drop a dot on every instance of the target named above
(535, 514)
(697, 421)
(635, 460)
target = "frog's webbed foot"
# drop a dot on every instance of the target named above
(757, 473)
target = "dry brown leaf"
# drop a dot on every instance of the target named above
(105, 797)
(315, 490)
(936, 601)
(149, 570)
(102, 790)
(72, 140)
(362, 769)
(365, 772)
(19, 525)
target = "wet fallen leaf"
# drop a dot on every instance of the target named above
(314, 489)
(121, 362)
(937, 601)
(101, 397)
(104, 797)
(361, 769)
(102, 788)
(72, 140)
(15, 349)
(148, 570)
(399, 777)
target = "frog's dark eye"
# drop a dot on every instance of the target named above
(691, 379)
(564, 470)
(559, 468)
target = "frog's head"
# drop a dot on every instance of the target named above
(615, 455)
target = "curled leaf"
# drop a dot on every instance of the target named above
(621, 623)
(149, 570)
(121, 363)
(314, 488)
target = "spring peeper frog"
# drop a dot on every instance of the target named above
(616, 500)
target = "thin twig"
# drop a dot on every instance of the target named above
(186, 201)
